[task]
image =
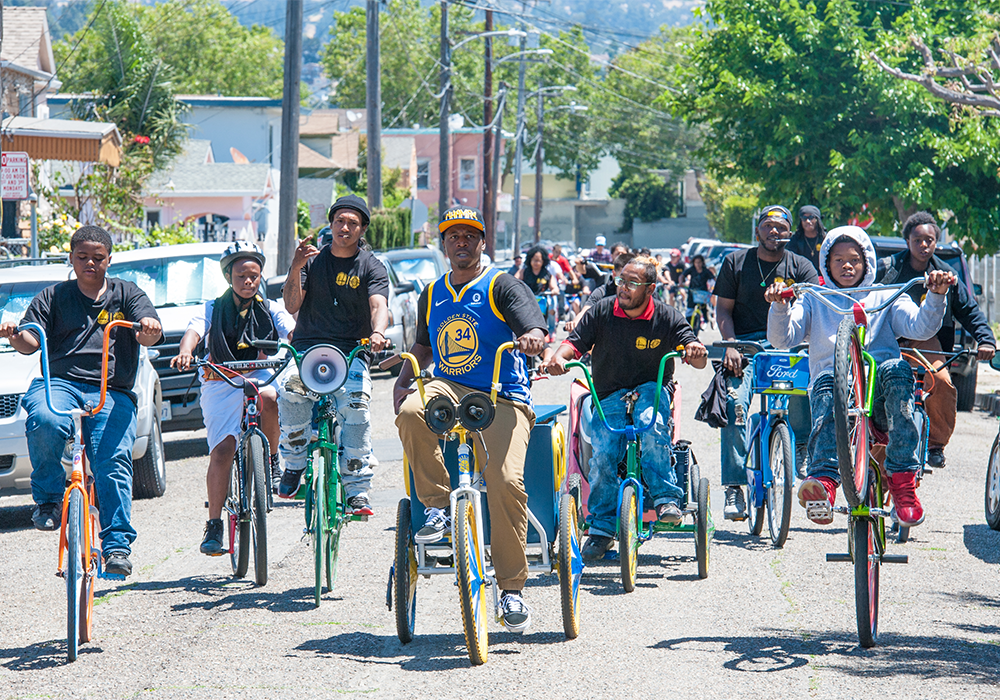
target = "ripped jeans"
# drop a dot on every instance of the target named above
(295, 414)
(892, 412)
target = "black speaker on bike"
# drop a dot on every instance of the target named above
(439, 414)
(476, 411)
(323, 369)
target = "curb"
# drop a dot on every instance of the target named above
(989, 403)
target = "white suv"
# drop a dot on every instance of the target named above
(18, 286)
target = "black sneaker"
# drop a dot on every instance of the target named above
(597, 546)
(47, 516)
(275, 473)
(290, 483)
(117, 564)
(437, 525)
(669, 513)
(211, 544)
(935, 457)
(360, 505)
(516, 613)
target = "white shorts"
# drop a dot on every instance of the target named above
(222, 408)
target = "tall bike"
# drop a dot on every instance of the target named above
(323, 370)
(861, 479)
(80, 559)
(770, 464)
(632, 530)
(249, 499)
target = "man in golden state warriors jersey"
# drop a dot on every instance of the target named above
(463, 318)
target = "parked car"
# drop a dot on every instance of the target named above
(964, 373)
(178, 280)
(402, 331)
(419, 265)
(18, 286)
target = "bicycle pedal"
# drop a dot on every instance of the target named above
(838, 557)
(819, 511)
(359, 517)
(111, 577)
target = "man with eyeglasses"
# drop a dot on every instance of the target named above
(627, 335)
(741, 312)
(341, 294)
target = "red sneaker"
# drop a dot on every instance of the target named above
(817, 495)
(903, 488)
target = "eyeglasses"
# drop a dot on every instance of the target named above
(619, 281)
(809, 218)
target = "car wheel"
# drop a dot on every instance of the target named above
(149, 472)
(965, 385)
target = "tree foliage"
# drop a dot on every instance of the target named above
(792, 102)
(648, 196)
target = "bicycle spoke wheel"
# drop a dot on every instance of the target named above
(92, 554)
(570, 565)
(471, 581)
(850, 421)
(74, 571)
(628, 538)
(779, 495)
(336, 519)
(318, 524)
(238, 523)
(866, 570)
(258, 486)
(755, 513)
(993, 486)
(703, 528)
(405, 574)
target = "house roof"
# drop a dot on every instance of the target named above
(228, 101)
(26, 40)
(344, 150)
(321, 122)
(194, 173)
(312, 160)
(62, 139)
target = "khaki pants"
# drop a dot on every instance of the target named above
(941, 403)
(507, 443)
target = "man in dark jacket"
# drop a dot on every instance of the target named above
(921, 233)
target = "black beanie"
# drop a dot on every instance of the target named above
(351, 201)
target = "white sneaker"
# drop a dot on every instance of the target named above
(516, 613)
(437, 525)
(736, 506)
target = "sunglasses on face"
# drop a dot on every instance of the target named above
(809, 218)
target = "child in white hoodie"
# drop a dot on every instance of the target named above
(847, 260)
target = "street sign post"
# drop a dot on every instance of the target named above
(14, 175)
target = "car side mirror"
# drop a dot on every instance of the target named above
(977, 289)
(404, 287)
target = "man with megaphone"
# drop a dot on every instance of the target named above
(463, 318)
(342, 297)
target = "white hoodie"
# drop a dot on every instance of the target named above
(809, 320)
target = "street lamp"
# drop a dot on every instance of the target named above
(444, 151)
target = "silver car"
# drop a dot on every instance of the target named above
(18, 286)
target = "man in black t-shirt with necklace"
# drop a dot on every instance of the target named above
(741, 313)
(74, 314)
(627, 336)
(342, 296)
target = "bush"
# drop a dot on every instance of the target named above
(737, 218)
(648, 197)
(175, 234)
(389, 228)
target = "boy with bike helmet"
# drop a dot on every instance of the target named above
(73, 314)
(229, 325)
(847, 260)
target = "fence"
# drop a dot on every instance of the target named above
(984, 273)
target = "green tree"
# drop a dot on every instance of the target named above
(729, 206)
(792, 102)
(648, 196)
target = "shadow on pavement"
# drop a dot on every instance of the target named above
(16, 518)
(224, 593)
(927, 657)
(185, 448)
(41, 655)
(604, 577)
(982, 542)
(432, 652)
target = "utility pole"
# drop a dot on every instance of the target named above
(374, 107)
(538, 169)
(444, 153)
(519, 149)
(488, 140)
(289, 194)
(495, 176)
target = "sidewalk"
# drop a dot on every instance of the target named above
(988, 389)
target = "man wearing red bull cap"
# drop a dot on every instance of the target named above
(742, 315)
(462, 318)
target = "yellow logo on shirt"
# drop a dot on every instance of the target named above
(119, 316)
(642, 343)
(343, 280)
(458, 345)
(354, 281)
(103, 317)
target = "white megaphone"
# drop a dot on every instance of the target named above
(323, 369)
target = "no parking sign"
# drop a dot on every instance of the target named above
(14, 175)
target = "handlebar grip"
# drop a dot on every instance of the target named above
(266, 344)
(137, 327)
(788, 293)
(390, 362)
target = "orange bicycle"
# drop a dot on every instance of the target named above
(78, 549)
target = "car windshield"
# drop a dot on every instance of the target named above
(182, 281)
(14, 300)
(415, 269)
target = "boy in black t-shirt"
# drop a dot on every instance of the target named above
(74, 314)
(342, 296)
(741, 313)
(627, 336)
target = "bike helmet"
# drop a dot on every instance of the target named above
(240, 249)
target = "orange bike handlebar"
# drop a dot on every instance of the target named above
(104, 359)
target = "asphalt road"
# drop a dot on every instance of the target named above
(764, 623)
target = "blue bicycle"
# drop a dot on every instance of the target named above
(770, 465)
